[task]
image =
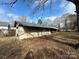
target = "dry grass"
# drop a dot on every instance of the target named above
(70, 35)
(37, 48)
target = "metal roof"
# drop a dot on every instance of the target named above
(4, 23)
(35, 25)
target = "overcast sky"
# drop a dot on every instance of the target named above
(58, 8)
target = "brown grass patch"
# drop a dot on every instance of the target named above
(36, 48)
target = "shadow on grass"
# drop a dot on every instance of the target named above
(29, 55)
(75, 46)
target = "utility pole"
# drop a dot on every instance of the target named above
(76, 2)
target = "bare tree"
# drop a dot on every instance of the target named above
(22, 18)
(76, 2)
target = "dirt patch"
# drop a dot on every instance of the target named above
(46, 53)
(36, 48)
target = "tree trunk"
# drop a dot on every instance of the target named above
(59, 27)
(66, 25)
(77, 10)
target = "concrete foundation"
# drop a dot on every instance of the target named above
(30, 33)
